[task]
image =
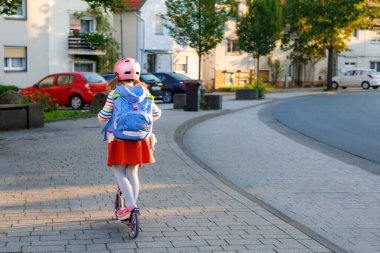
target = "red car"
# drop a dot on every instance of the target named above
(73, 88)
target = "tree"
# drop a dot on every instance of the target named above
(276, 69)
(259, 29)
(196, 23)
(10, 7)
(314, 27)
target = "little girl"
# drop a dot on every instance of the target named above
(126, 156)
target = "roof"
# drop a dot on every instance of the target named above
(134, 5)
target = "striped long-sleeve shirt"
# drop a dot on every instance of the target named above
(106, 113)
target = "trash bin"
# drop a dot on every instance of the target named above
(193, 96)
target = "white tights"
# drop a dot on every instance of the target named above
(128, 180)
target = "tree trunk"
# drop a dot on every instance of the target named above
(330, 62)
(258, 72)
(199, 65)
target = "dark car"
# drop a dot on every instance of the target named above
(108, 77)
(173, 83)
(153, 84)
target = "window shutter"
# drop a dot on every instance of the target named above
(14, 52)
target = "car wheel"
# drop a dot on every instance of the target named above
(334, 85)
(167, 97)
(365, 85)
(375, 87)
(344, 88)
(76, 102)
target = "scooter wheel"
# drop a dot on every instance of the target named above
(134, 224)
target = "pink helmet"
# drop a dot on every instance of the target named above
(127, 69)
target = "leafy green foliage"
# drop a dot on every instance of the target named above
(260, 28)
(196, 23)
(276, 69)
(316, 26)
(9, 7)
(262, 89)
(4, 88)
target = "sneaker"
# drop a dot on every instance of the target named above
(124, 213)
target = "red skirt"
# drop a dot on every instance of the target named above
(122, 152)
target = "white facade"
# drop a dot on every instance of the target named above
(157, 51)
(44, 34)
(364, 51)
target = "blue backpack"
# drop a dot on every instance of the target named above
(132, 114)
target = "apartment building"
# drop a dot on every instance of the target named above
(42, 38)
(364, 51)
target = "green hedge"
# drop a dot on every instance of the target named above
(4, 88)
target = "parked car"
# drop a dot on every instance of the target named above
(364, 78)
(153, 84)
(108, 77)
(173, 83)
(72, 88)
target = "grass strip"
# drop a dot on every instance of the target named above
(67, 114)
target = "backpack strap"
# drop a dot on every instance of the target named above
(104, 130)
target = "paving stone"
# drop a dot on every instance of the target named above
(154, 244)
(44, 249)
(189, 243)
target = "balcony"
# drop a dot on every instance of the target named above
(79, 46)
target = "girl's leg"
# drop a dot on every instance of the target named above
(133, 177)
(125, 186)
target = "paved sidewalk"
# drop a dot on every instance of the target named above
(57, 196)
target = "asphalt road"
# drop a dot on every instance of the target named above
(349, 121)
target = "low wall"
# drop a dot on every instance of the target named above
(213, 102)
(21, 116)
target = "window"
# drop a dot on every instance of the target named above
(349, 64)
(64, 79)
(84, 67)
(375, 66)
(20, 13)
(181, 64)
(349, 73)
(74, 26)
(15, 58)
(358, 73)
(375, 40)
(93, 78)
(355, 34)
(86, 26)
(47, 82)
(233, 46)
(229, 78)
(159, 27)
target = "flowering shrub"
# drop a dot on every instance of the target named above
(39, 98)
